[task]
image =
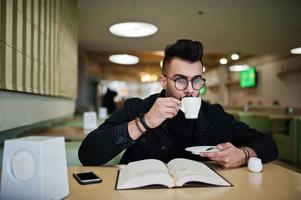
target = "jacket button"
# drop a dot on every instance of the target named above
(143, 140)
(163, 147)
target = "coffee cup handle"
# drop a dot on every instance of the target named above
(182, 108)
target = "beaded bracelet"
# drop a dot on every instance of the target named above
(246, 154)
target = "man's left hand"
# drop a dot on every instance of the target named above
(228, 155)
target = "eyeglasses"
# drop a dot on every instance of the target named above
(181, 82)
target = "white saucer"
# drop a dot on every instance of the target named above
(201, 149)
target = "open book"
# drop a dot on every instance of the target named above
(178, 172)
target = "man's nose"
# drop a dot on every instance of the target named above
(189, 90)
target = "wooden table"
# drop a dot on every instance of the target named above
(274, 182)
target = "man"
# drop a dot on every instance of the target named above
(156, 128)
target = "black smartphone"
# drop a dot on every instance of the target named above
(85, 178)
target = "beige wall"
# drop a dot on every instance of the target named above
(278, 80)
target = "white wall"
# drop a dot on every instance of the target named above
(20, 109)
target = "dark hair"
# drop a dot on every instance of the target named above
(187, 50)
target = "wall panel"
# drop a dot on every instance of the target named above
(38, 47)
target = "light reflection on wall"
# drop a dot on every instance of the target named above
(145, 77)
(127, 90)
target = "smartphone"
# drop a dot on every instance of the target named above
(85, 178)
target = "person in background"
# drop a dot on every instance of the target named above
(156, 128)
(108, 101)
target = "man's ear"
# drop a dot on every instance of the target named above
(162, 80)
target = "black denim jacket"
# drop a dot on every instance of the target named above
(212, 127)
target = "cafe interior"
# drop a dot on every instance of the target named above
(60, 60)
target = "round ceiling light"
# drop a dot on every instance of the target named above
(296, 50)
(223, 61)
(235, 56)
(238, 68)
(124, 59)
(133, 29)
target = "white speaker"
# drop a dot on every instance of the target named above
(34, 168)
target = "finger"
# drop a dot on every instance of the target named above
(170, 105)
(169, 110)
(218, 159)
(172, 99)
(224, 145)
(210, 154)
(222, 153)
(221, 159)
(162, 106)
(169, 116)
(170, 102)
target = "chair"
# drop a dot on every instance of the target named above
(298, 141)
(259, 122)
(288, 140)
(72, 154)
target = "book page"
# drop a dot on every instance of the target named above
(144, 173)
(185, 171)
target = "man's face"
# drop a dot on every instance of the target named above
(180, 68)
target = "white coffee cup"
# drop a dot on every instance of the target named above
(191, 107)
(255, 165)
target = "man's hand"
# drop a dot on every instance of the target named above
(162, 109)
(229, 156)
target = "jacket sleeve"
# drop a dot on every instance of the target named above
(242, 135)
(107, 141)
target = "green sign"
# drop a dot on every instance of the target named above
(248, 78)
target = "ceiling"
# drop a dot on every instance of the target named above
(250, 27)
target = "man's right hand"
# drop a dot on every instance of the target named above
(162, 109)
